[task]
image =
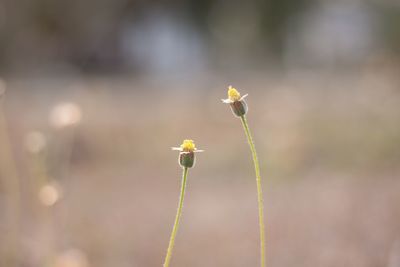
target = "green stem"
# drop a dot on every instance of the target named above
(177, 218)
(259, 188)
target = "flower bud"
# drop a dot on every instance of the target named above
(186, 155)
(239, 108)
(236, 101)
(187, 159)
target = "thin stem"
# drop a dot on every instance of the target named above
(259, 189)
(177, 219)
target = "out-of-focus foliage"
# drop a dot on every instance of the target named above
(120, 35)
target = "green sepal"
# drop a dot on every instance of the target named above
(239, 108)
(186, 159)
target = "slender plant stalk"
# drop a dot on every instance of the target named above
(177, 219)
(259, 188)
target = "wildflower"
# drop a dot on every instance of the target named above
(237, 103)
(239, 108)
(186, 156)
(186, 160)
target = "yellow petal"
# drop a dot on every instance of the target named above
(188, 145)
(233, 94)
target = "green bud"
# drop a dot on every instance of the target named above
(186, 159)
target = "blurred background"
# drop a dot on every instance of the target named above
(93, 93)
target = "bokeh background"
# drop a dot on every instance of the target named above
(95, 92)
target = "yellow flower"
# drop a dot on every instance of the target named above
(233, 96)
(237, 103)
(187, 146)
(186, 155)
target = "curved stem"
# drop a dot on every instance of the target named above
(259, 189)
(177, 218)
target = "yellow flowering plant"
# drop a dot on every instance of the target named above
(186, 160)
(237, 103)
(186, 156)
(239, 108)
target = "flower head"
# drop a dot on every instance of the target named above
(233, 94)
(237, 103)
(188, 145)
(186, 155)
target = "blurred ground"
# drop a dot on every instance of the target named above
(329, 147)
